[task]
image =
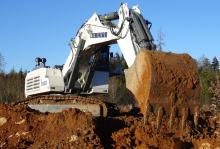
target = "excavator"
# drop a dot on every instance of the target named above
(165, 84)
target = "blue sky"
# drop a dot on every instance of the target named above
(43, 28)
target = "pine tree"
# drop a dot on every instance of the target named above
(215, 64)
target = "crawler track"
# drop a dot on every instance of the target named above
(57, 99)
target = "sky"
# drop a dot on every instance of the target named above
(43, 28)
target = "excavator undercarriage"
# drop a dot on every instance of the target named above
(57, 103)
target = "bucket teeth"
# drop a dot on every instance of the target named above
(195, 116)
(184, 117)
(159, 117)
(171, 118)
(147, 112)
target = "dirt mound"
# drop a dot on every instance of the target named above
(24, 128)
(138, 135)
(21, 127)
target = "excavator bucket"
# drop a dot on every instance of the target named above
(164, 83)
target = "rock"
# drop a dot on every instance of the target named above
(10, 136)
(2, 144)
(21, 133)
(73, 138)
(20, 122)
(3, 120)
(205, 146)
(17, 134)
(25, 133)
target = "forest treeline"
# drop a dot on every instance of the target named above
(12, 86)
(209, 74)
(12, 83)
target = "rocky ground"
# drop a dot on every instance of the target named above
(21, 127)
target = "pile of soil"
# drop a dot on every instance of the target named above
(22, 127)
(136, 134)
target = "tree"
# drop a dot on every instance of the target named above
(204, 63)
(215, 64)
(117, 64)
(160, 45)
(12, 86)
(206, 78)
(2, 62)
(209, 79)
(215, 90)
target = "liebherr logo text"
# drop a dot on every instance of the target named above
(98, 35)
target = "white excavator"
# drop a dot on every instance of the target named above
(86, 70)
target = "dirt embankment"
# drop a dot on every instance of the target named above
(141, 136)
(21, 127)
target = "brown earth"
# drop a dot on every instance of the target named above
(26, 128)
(21, 127)
(140, 136)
